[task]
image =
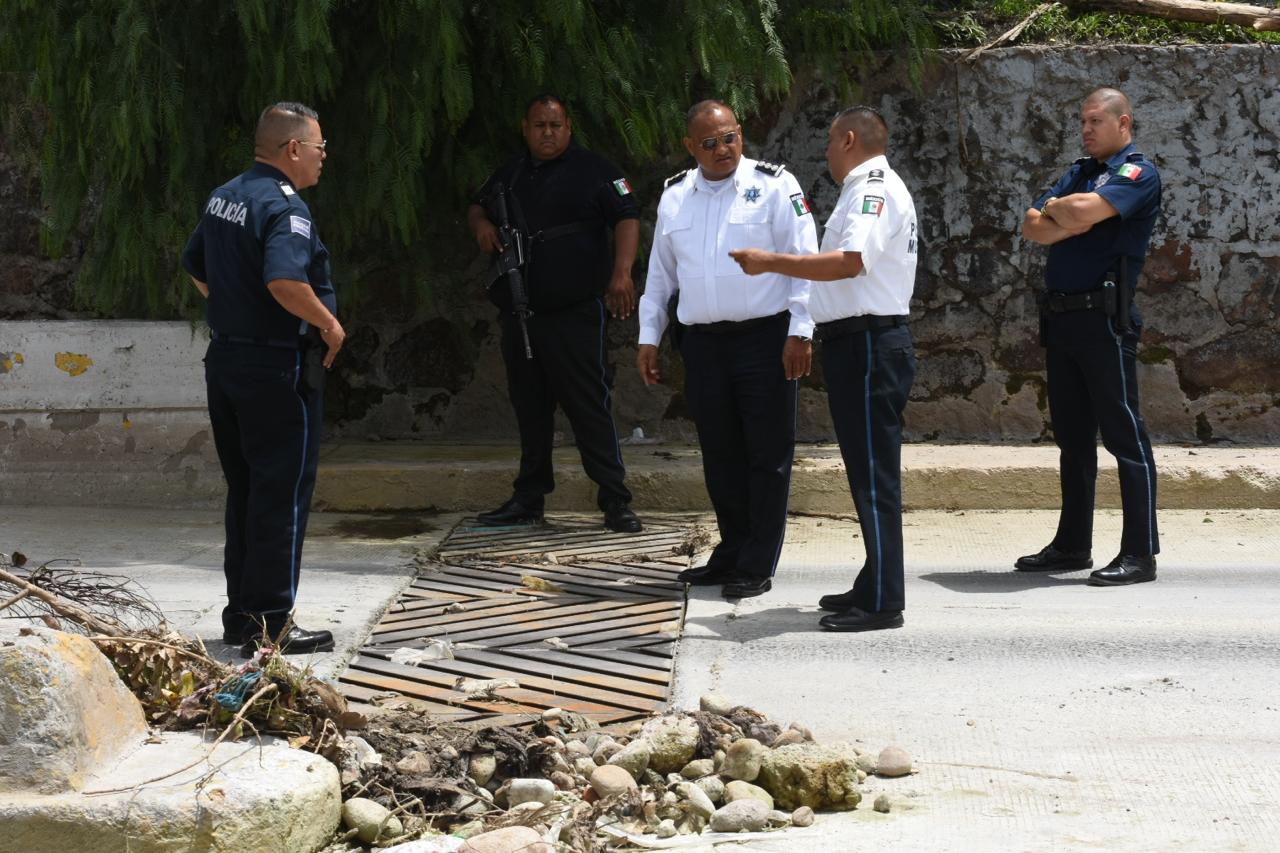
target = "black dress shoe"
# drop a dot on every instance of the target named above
(620, 519)
(708, 575)
(295, 641)
(514, 511)
(747, 587)
(837, 602)
(854, 619)
(1050, 559)
(1124, 570)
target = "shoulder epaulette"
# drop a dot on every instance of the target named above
(1082, 161)
(286, 190)
(876, 175)
(1136, 155)
(768, 168)
(675, 179)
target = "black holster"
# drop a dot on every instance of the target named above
(312, 354)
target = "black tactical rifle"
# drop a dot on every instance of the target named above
(509, 262)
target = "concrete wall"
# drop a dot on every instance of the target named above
(975, 146)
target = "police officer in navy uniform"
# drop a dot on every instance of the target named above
(1097, 220)
(745, 341)
(867, 268)
(257, 257)
(565, 199)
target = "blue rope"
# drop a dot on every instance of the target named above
(235, 691)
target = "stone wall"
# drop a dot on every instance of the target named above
(975, 145)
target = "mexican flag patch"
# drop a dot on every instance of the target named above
(872, 204)
(800, 204)
(1130, 171)
(622, 186)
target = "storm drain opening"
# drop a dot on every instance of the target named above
(507, 622)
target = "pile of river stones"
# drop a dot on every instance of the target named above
(725, 768)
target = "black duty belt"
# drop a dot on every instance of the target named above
(1054, 302)
(736, 327)
(278, 343)
(850, 325)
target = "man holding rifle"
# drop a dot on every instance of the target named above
(558, 202)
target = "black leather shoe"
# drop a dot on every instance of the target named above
(1124, 570)
(854, 619)
(296, 641)
(708, 575)
(747, 587)
(620, 519)
(1050, 559)
(837, 602)
(514, 511)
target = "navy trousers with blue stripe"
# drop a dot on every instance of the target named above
(745, 410)
(1093, 389)
(868, 376)
(569, 368)
(266, 430)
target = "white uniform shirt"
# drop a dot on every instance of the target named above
(698, 224)
(876, 218)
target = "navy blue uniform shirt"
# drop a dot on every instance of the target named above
(1131, 184)
(255, 229)
(579, 186)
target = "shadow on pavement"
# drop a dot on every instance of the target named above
(756, 625)
(1005, 581)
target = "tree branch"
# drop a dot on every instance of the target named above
(1260, 18)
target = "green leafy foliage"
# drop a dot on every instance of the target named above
(138, 108)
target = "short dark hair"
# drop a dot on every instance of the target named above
(547, 98)
(705, 107)
(279, 123)
(867, 122)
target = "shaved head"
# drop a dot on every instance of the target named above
(708, 106)
(1112, 100)
(867, 124)
(278, 124)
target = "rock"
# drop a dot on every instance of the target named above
(697, 800)
(673, 742)
(467, 830)
(862, 775)
(717, 759)
(674, 779)
(63, 713)
(741, 816)
(414, 763)
(605, 750)
(692, 824)
(893, 761)
(882, 804)
(714, 703)
(577, 749)
(865, 762)
(713, 787)
(562, 781)
(526, 810)
(356, 756)
(530, 791)
(370, 820)
(803, 730)
(634, 757)
(802, 816)
(552, 714)
(815, 775)
(556, 761)
(765, 732)
(699, 768)
(665, 829)
(653, 780)
(471, 805)
(742, 759)
(789, 737)
(509, 839)
(584, 766)
(481, 767)
(779, 818)
(610, 780)
(739, 790)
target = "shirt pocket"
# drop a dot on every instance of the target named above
(746, 228)
(679, 231)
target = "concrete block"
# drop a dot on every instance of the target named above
(63, 712)
(240, 796)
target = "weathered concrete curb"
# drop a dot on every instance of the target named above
(465, 478)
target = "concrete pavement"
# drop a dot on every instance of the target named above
(1042, 714)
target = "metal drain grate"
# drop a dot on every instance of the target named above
(592, 632)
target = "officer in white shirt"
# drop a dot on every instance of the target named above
(745, 340)
(869, 259)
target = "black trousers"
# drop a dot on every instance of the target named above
(266, 427)
(1093, 388)
(745, 411)
(569, 368)
(869, 376)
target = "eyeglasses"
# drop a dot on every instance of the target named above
(321, 144)
(710, 143)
